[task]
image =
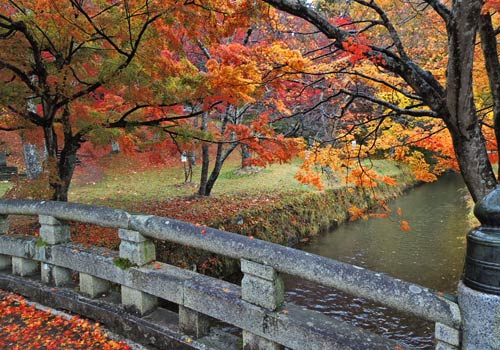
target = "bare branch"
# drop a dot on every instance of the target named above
(399, 110)
(387, 24)
(440, 8)
(423, 82)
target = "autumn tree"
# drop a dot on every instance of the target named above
(242, 90)
(394, 39)
(59, 54)
(93, 66)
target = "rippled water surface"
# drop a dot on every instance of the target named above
(431, 254)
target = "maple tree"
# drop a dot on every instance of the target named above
(73, 71)
(59, 56)
(242, 91)
(104, 71)
(379, 53)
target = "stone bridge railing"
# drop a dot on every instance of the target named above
(257, 307)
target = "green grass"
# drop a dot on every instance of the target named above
(274, 177)
(4, 186)
(120, 186)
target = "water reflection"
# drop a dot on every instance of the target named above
(431, 254)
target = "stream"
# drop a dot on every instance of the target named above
(431, 254)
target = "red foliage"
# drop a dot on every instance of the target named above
(356, 48)
(22, 326)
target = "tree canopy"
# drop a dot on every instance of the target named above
(414, 81)
(418, 61)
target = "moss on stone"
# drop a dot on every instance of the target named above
(123, 263)
(41, 243)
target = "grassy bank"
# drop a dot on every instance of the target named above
(122, 184)
(269, 204)
(4, 186)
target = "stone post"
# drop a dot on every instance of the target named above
(139, 251)
(20, 266)
(52, 232)
(479, 294)
(136, 248)
(93, 286)
(262, 286)
(24, 267)
(5, 260)
(4, 224)
(193, 323)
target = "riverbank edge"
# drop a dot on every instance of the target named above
(311, 213)
(291, 221)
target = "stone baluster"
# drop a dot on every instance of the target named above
(93, 286)
(193, 323)
(4, 224)
(5, 260)
(24, 266)
(139, 251)
(262, 286)
(447, 338)
(52, 232)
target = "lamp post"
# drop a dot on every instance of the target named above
(482, 262)
(479, 292)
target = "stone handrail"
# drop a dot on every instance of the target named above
(378, 287)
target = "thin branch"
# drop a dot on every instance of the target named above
(404, 111)
(441, 9)
(387, 24)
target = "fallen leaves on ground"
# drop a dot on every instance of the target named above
(202, 211)
(22, 327)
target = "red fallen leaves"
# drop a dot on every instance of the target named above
(22, 327)
(93, 235)
(205, 211)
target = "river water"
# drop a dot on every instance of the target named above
(431, 255)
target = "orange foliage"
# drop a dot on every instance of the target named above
(404, 225)
(22, 326)
(491, 6)
(357, 213)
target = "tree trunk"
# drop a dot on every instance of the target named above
(475, 166)
(492, 63)
(66, 167)
(220, 158)
(462, 120)
(245, 155)
(219, 161)
(205, 159)
(215, 171)
(60, 167)
(51, 161)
